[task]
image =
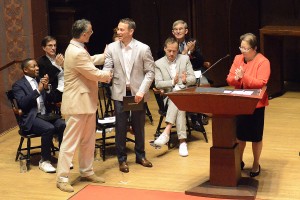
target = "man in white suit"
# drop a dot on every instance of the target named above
(133, 72)
(174, 72)
(79, 105)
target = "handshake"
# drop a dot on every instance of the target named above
(109, 77)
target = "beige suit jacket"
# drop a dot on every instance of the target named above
(163, 78)
(142, 69)
(80, 94)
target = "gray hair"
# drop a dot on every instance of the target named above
(79, 27)
(180, 22)
(250, 38)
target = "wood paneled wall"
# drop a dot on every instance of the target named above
(285, 13)
(23, 25)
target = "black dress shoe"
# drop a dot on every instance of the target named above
(253, 174)
(144, 162)
(242, 165)
(123, 166)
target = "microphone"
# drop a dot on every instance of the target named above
(216, 63)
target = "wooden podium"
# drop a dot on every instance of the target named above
(225, 166)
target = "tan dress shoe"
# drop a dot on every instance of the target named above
(65, 186)
(93, 178)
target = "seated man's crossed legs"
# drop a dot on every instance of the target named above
(178, 118)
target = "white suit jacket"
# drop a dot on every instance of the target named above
(80, 94)
(142, 69)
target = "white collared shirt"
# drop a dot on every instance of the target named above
(173, 70)
(40, 102)
(60, 75)
(127, 52)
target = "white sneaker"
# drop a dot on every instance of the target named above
(183, 149)
(162, 139)
(46, 167)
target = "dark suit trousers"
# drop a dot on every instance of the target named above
(47, 130)
(138, 127)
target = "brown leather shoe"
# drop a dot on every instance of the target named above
(144, 162)
(123, 166)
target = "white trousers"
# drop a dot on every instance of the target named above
(80, 132)
(178, 118)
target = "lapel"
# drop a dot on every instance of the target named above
(80, 47)
(29, 89)
(47, 62)
(120, 56)
(167, 67)
(178, 64)
(27, 85)
(133, 55)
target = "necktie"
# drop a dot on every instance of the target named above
(181, 47)
(40, 101)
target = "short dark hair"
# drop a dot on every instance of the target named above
(47, 39)
(80, 26)
(170, 40)
(250, 38)
(130, 22)
(25, 63)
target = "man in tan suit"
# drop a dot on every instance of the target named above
(79, 105)
(133, 67)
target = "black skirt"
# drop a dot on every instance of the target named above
(251, 127)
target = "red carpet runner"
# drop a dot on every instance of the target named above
(96, 192)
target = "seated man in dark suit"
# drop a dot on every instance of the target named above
(52, 64)
(31, 92)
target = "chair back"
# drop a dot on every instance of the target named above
(105, 101)
(17, 112)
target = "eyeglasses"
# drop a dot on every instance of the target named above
(244, 49)
(51, 45)
(90, 32)
(178, 29)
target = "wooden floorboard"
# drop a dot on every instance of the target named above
(280, 161)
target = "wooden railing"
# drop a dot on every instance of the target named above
(9, 64)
